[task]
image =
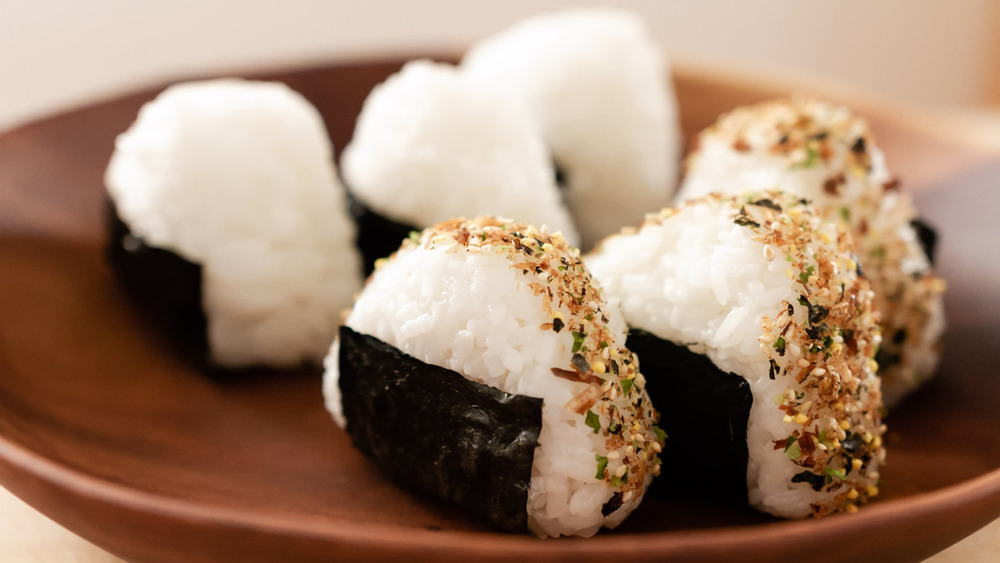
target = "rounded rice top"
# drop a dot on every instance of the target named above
(430, 144)
(198, 147)
(821, 343)
(613, 402)
(829, 148)
(599, 85)
(826, 153)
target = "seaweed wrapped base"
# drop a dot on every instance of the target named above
(165, 285)
(430, 428)
(704, 412)
(378, 235)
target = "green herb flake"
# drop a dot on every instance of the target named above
(602, 465)
(779, 345)
(626, 386)
(578, 338)
(830, 473)
(660, 434)
(617, 481)
(812, 159)
(593, 421)
(845, 213)
(804, 276)
(792, 449)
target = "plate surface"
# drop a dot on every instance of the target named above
(106, 430)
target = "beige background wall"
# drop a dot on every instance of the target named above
(56, 53)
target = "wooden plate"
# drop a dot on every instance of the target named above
(107, 431)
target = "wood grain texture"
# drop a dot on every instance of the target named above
(106, 430)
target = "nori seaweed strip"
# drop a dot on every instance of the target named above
(431, 428)
(378, 236)
(704, 412)
(927, 236)
(166, 286)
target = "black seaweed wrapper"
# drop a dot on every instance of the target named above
(166, 286)
(378, 236)
(704, 412)
(430, 428)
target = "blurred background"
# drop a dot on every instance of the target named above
(58, 54)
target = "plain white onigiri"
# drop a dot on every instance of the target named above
(238, 176)
(430, 145)
(766, 290)
(601, 89)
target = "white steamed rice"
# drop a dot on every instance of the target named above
(238, 176)
(468, 308)
(823, 152)
(430, 144)
(600, 87)
(698, 277)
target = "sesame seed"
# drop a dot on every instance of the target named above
(613, 455)
(845, 424)
(621, 470)
(857, 463)
(852, 494)
(802, 363)
(801, 418)
(627, 496)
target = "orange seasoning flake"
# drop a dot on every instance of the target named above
(611, 395)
